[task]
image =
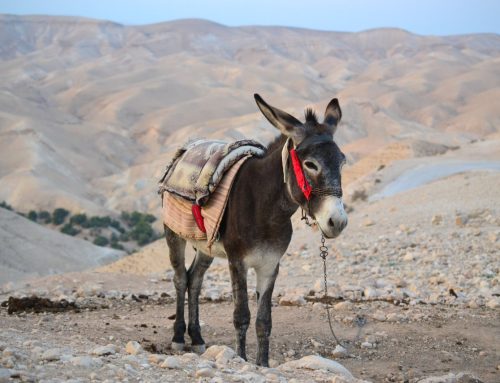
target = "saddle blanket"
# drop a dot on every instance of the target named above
(202, 173)
(178, 216)
(198, 167)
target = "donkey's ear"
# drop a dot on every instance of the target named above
(333, 114)
(285, 122)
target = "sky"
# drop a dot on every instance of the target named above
(426, 17)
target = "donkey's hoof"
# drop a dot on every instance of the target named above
(198, 348)
(177, 346)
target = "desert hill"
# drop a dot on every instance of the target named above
(31, 250)
(90, 111)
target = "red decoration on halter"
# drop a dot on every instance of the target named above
(299, 175)
(196, 210)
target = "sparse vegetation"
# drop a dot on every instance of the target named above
(101, 241)
(33, 215)
(359, 195)
(44, 217)
(59, 216)
(5, 205)
(133, 228)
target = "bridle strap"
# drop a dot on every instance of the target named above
(299, 175)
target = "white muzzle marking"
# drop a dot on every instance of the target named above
(331, 216)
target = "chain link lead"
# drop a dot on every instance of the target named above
(323, 253)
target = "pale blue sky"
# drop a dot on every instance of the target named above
(438, 17)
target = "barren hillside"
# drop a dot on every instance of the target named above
(91, 110)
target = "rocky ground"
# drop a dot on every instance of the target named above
(413, 285)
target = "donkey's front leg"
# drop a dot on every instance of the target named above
(241, 315)
(266, 277)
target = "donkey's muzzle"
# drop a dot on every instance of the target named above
(331, 216)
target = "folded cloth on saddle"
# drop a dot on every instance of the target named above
(198, 167)
(177, 211)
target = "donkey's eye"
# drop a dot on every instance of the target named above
(310, 165)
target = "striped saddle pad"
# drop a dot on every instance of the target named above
(201, 174)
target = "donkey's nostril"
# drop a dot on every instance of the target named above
(331, 223)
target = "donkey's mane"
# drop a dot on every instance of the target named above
(275, 144)
(310, 115)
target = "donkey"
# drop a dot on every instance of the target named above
(256, 228)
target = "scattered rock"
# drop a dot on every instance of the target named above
(51, 354)
(205, 373)
(370, 292)
(452, 378)
(392, 317)
(368, 222)
(316, 344)
(460, 220)
(436, 219)
(109, 349)
(379, 315)
(86, 361)
(133, 347)
(171, 362)
(493, 303)
(315, 362)
(344, 305)
(292, 300)
(339, 352)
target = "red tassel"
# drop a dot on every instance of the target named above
(196, 209)
(299, 175)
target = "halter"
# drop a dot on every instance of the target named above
(298, 171)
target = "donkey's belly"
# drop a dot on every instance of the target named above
(217, 249)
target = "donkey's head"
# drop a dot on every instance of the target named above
(312, 162)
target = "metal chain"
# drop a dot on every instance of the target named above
(323, 253)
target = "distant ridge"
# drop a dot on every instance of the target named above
(91, 110)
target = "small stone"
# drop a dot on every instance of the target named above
(460, 220)
(368, 222)
(379, 315)
(366, 345)
(436, 219)
(492, 237)
(344, 305)
(292, 300)
(339, 352)
(273, 363)
(109, 349)
(315, 362)
(51, 354)
(493, 303)
(85, 361)
(133, 347)
(5, 374)
(205, 373)
(392, 317)
(370, 292)
(171, 362)
(317, 344)
(156, 358)
(408, 257)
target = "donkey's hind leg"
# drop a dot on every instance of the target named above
(195, 279)
(177, 247)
